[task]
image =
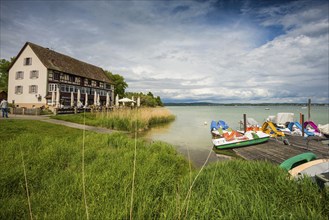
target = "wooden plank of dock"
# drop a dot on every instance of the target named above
(276, 151)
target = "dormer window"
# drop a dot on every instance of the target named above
(27, 61)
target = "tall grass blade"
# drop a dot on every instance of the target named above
(189, 160)
(83, 165)
(26, 186)
(191, 186)
(189, 195)
(134, 169)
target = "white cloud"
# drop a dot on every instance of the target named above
(178, 51)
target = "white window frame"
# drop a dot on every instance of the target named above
(52, 87)
(18, 90)
(19, 75)
(33, 89)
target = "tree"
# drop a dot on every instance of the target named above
(146, 100)
(158, 100)
(119, 83)
(4, 68)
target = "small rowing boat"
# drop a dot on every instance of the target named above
(307, 165)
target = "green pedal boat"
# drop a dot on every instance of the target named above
(234, 139)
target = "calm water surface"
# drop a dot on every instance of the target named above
(189, 134)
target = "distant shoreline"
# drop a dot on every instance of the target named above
(242, 104)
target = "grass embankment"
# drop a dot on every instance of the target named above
(52, 157)
(122, 119)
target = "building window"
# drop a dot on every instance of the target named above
(20, 75)
(64, 77)
(50, 74)
(77, 88)
(63, 88)
(52, 87)
(33, 89)
(71, 78)
(71, 88)
(18, 90)
(88, 90)
(56, 76)
(34, 74)
(27, 61)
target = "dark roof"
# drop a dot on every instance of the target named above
(63, 63)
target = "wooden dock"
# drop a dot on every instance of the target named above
(276, 151)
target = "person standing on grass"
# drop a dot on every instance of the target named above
(4, 108)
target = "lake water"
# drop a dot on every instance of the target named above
(189, 134)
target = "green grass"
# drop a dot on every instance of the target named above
(52, 155)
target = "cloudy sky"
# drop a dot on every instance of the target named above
(222, 51)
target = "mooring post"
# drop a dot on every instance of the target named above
(302, 125)
(244, 123)
(300, 117)
(309, 110)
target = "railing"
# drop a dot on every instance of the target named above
(25, 111)
(38, 111)
(70, 110)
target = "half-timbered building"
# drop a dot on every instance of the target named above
(37, 73)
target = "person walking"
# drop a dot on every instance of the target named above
(4, 108)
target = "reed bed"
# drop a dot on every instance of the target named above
(53, 161)
(123, 119)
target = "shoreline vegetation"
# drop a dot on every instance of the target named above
(72, 174)
(123, 119)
